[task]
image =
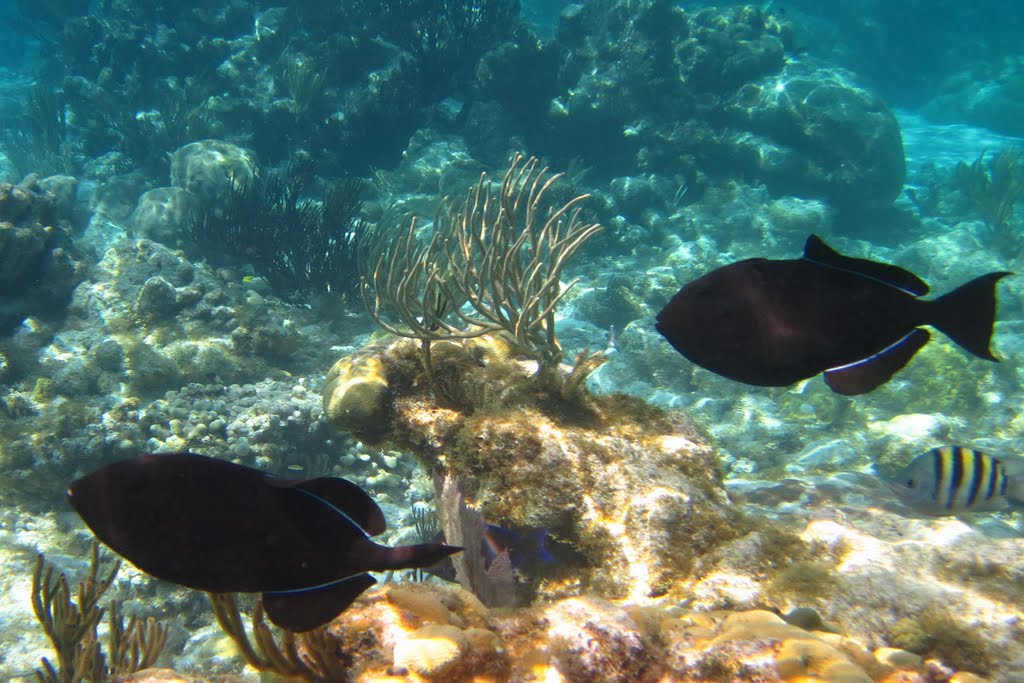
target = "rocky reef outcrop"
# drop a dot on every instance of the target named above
(38, 265)
(418, 633)
(633, 491)
(718, 92)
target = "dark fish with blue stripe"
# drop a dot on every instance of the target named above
(953, 479)
(775, 322)
(219, 527)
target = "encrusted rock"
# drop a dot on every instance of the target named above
(164, 213)
(632, 488)
(38, 269)
(212, 170)
(431, 650)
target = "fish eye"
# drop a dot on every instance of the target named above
(910, 483)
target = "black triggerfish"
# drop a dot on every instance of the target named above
(776, 322)
(216, 526)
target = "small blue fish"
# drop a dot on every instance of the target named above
(524, 549)
(953, 479)
(527, 551)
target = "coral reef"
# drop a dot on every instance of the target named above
(38, 264)
(985, 94)
(703, 134)
(717, 91)
(429, 632)
(212, 170)
(632, 489)
(953, 608)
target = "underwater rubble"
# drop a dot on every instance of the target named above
(428, 632)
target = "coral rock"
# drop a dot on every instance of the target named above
(355, 394)
(899, 659)
(431, 650)
(424, 604)
(163, 214)
(212, 170)
(632, 488)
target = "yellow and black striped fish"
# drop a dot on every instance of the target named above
(953, 479)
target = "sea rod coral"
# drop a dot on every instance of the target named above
(479, 395)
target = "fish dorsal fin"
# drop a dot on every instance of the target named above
(864, 375)
(816, 250)
(304, 610)
(342, 494)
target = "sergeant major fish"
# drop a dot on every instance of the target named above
(775, 322)
(953, 479)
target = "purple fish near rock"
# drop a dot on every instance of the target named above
(775, 322)
(215, 526)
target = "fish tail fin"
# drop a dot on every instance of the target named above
(1014, 469)
(967, 314)
(418, 556)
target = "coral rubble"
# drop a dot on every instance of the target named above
(428, 632)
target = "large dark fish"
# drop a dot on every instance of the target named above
(215, 526)
(773, 323)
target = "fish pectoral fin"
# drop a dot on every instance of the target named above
(870, 373)
(305, 609)
(816, 250)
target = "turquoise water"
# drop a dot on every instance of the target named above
(192, 193)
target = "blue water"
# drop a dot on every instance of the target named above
(193, 284)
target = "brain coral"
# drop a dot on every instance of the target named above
(163, 213)
(355, 394)
(211, 169)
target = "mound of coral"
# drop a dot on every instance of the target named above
(631, 489)
(38, 266)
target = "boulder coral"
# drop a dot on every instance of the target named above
(211, 170)
(164, 213)
(38, 265)
(431, 650)
(356, 393)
